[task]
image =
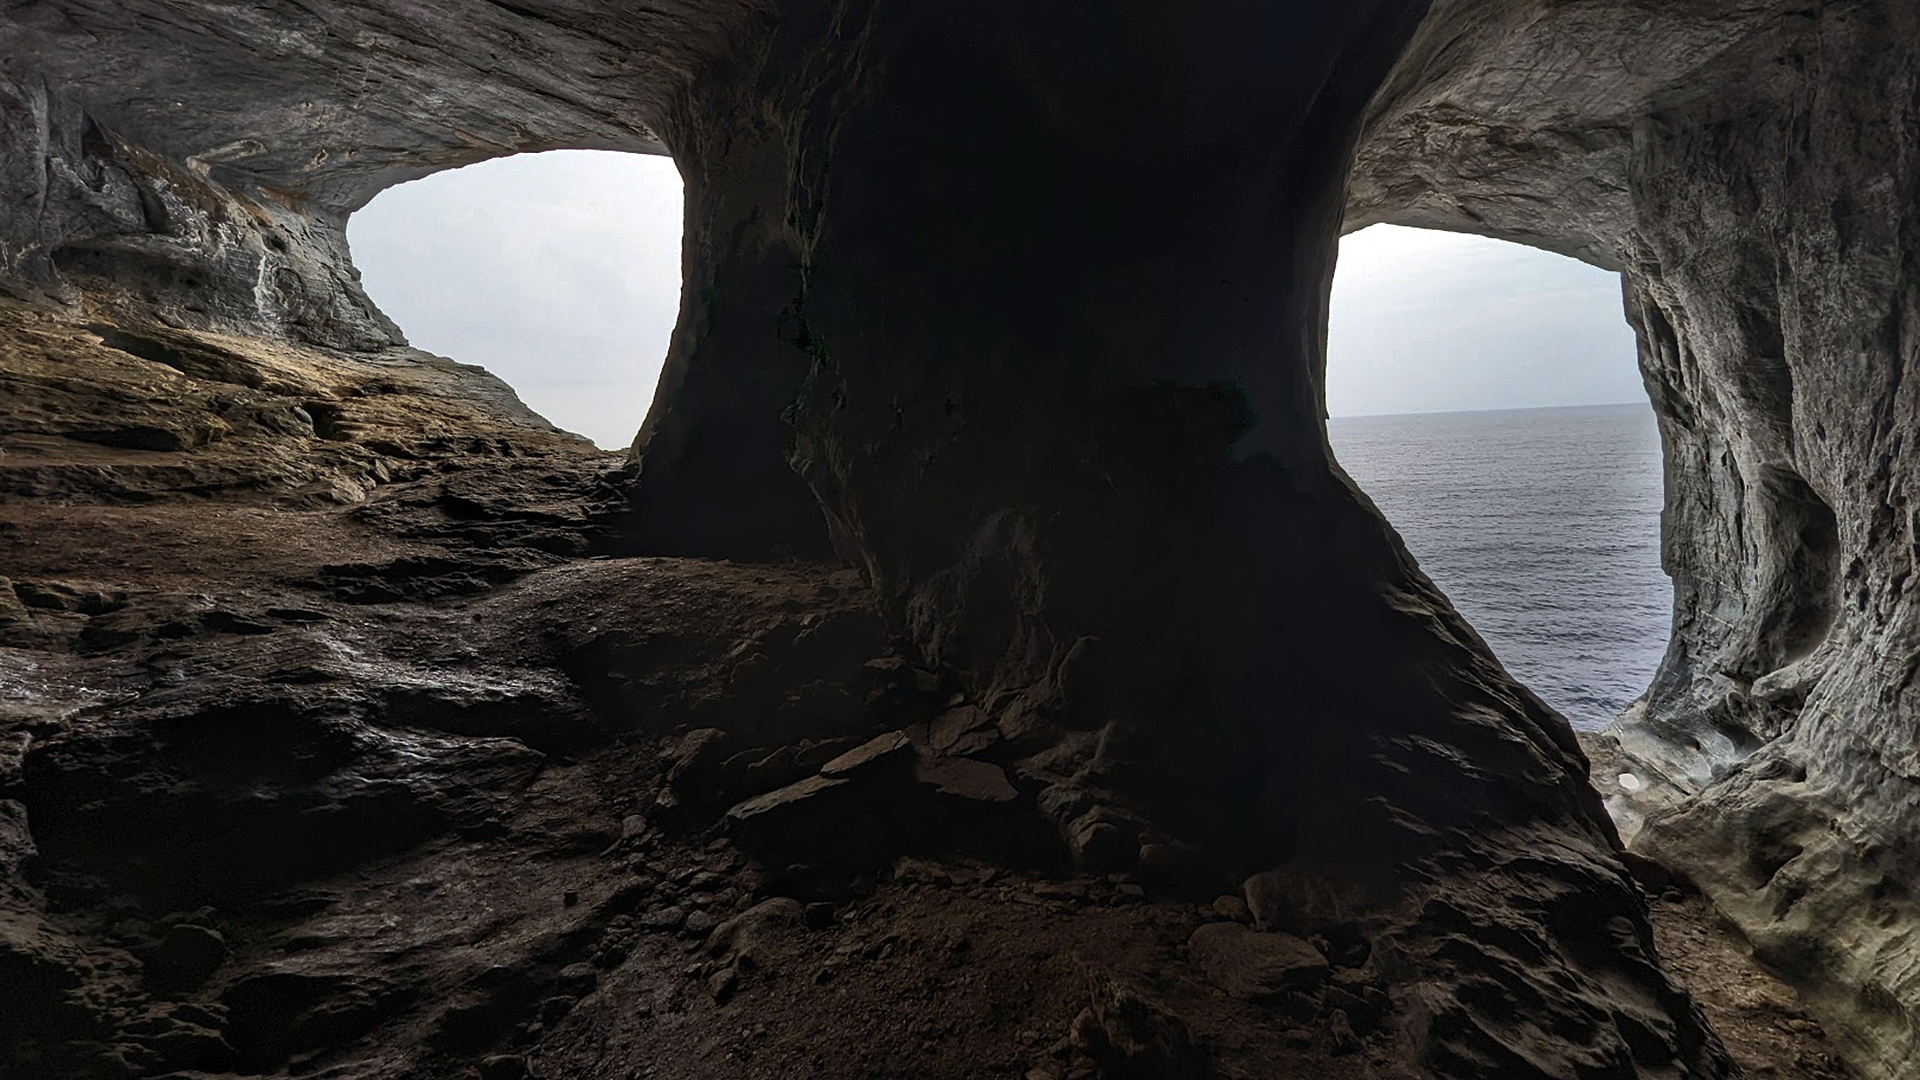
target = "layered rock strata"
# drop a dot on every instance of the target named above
(1022, 314)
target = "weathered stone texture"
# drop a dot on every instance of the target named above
(1021, 310)
(1753, 174)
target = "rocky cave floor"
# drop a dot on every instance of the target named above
(337, 739)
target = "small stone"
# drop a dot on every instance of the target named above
(1363, 1012)
(1164, 858)
(1101, 845)
(1232, 909)
(185, 958)
(962, 730)
(774, 804)
(1300, 899)
(576, 980)
(893, 747)
(818, 916)
(699, 923)
(912, 870)
(722, 984)
(1072, 892)
(664, 918)
(694, 779)
(1256, 966)
(503, 1067)
(627, 896)
(1340, 1034)
(966, 778)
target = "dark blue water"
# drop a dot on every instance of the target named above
(1543, 527)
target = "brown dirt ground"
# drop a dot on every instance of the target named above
(1756, 1015)
(957, 972)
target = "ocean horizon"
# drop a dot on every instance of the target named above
(1542, 525)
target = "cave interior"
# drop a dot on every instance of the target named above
(978, 665)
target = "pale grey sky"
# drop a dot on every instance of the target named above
(1429, 321)
(560, 273)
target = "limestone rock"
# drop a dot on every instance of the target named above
(747, 935)
(696, 778)
(966, 779)
(1105, 515)
(890, 751)
(962, 731)
(185, 958)
(1131, 1037)
(1254, 965)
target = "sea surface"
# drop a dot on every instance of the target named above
(1543, 527)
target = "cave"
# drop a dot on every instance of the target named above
(977, 665)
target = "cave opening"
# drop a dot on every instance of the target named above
(558, 272)
(1485, 396)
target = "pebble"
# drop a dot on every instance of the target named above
(664, 918)
(721, 984)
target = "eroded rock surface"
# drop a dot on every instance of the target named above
(421, 771)
(1752, 173)
(463, 810)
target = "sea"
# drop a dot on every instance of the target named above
(1543, 528)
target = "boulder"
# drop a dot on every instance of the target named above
(186, 957)
(1253, 965)
(696, 778)
(1128, 1036)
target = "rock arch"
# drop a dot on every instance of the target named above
(1031, 304)
(1740, 172)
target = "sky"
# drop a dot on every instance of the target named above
(1428, 321)
(560, 273)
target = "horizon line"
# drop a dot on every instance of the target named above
(1509, 408)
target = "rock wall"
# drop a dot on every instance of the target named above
(1753, 176)
(1022, 312)
(149, 238)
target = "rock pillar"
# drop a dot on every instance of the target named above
(1059, 282)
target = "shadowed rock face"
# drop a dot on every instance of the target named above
(1753, 176)
(1022, 313)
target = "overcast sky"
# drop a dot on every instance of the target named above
(560, 273)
